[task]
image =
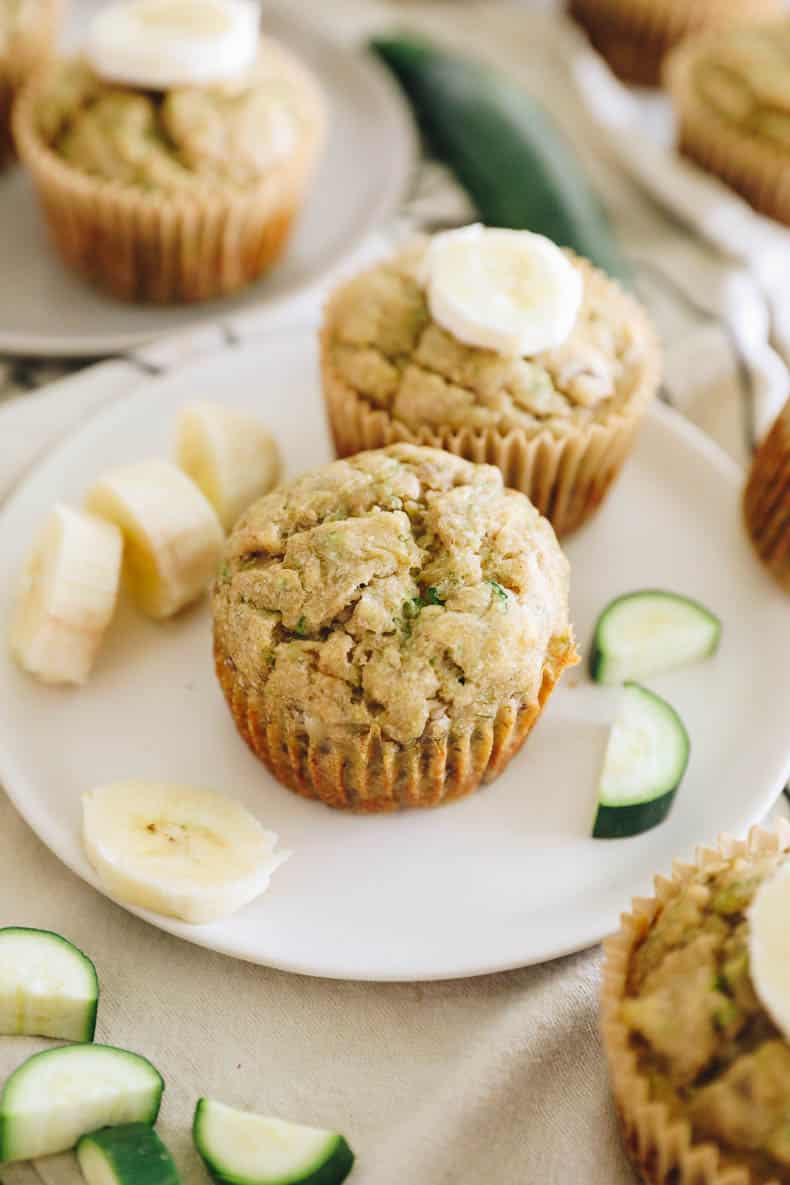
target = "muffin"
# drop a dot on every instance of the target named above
(700, 1072)
(559, 424)
(388, 629)
(731, 94)
(27, 34)
(766, 500)
(635, 35)
(177, 195)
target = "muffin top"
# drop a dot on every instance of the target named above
(381, 340)
(744, 76)
(403, 588)
(702, 1037)
(229, 135)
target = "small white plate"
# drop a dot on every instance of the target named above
(508, 877)
(48, 311)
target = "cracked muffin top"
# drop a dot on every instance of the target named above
(402, 587)
(706, 1043)
(225, 135)
(744, 76)
(383, 343)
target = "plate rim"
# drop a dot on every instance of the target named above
(402, 163)
(15, 783)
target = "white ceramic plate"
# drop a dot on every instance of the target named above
(48, 311)
(507, 877)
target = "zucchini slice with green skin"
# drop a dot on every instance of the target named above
(240, 1148)
(646, 758)
(57, 1096)
(504, 149)
(48, 987)
(129, 1155)
(652, 630)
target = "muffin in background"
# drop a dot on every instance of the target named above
(177, 195)
(559, 423)
(699, 1070)
(636, 35)
(388, 629)
(730, 91)
(766, 501)
(28, 29)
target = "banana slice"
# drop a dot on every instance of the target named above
(769, 946)
(177, 850)
(67, 596)
(168, 43)
(172, 536)
(231, 457)
(506, 290)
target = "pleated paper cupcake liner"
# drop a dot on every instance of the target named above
(635, 35)
(21, 57)
(766, 500)
(359, 770)
(754, 167)
(566, 478)
(167, 246)
(661, 1147)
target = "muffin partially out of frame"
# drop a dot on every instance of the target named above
(730, 91)
(635, 35)
(181, 194)
(27, 34)
(387, 629)
(766, 500)
(558, 422)
(699, 1068)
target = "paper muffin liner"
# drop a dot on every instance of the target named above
(361, 771)
(749, 164)
(661, 1147)
(566, 477)
(164, 247)
(21, 58)
(766, 500)
(635, 35)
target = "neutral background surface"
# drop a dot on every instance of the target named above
(498, 1079)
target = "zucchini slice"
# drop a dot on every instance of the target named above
(504, 149)
(61, 1094)
(129, 1155)
(240, 1148)
(642, 633)
(48, 987)
(645, 761)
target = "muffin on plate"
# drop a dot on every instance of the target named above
(766, 500)
(695, 1013)
(388, 629)
(172, 191)
(27, 34)
(554, 407)
(730, 90)
(635, 35)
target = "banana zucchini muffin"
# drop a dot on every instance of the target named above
(388, 629)
(700, 1072)
(766, 499)
(731, 95)
(558, 424)
(174, 195)
(27, 34)
(635, 35)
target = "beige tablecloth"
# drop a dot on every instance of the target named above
(499, 1079)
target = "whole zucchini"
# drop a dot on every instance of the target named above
(516, 166)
